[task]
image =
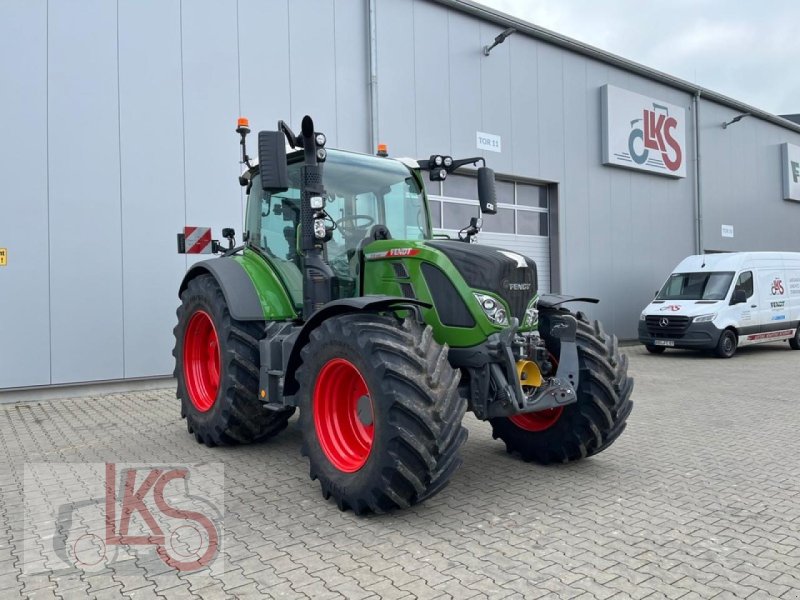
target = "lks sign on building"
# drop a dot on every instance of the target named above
(643, 133)
(791, 171)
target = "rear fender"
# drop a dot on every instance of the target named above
(240, 293)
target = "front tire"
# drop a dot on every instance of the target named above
(380, 412)
(216, 365)
(794, 343)
(591, 424)
(726, 347)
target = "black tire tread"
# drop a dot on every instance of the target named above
(423, 430)
(599, 416)
(241, 418)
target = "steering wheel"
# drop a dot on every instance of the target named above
(352, 222)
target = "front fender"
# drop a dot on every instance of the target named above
(333, 309)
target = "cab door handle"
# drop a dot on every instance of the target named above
(754, 306)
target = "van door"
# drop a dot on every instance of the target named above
(746, 315)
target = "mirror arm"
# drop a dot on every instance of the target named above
(294, 140)
(466, 161)
(424, 163)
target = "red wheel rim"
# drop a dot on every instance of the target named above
(537, 421)
(344, 438)
(201, 361)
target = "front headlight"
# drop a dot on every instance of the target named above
(531, 318)
(705, 318)
(492, 309)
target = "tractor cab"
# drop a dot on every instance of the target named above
(366, 199)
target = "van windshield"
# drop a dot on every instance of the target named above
(696, 286)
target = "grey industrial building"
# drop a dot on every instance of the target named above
(116, 131)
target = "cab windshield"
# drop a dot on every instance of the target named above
(696, 286)
(361, 191)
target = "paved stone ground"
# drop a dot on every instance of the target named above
(700, 498)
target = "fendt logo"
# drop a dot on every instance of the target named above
(643, 133)
(657, 132)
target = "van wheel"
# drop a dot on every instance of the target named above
(726, 347)
(795, 341)
(655, 349)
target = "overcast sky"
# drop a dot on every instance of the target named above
(747, 50)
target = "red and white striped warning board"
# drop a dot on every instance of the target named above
(197, 240)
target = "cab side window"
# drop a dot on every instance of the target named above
(745, 282)
(272, 220)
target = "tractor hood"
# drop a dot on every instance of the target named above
(507, 274)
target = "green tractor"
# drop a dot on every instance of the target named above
(342, 303)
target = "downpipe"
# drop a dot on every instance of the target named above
(698, 204)
(372, 36)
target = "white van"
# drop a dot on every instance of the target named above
(722, 301)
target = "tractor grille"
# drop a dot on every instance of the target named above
(486, 268)
(668, 327)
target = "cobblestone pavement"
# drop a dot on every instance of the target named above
(700, 498)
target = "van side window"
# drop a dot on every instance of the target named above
(745, 282)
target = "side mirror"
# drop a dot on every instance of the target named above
(486, 192)
(272, 161)
(739, 297)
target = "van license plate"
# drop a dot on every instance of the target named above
(664, 342)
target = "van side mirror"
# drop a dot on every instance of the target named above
(739, 297)
(272, 161)
(487, 195)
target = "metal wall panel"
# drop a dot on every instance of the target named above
(211, 107)
(431, 81)
(550, 113)
(83, 169)
(264, 65)
(151, 154)
(741, 183)
(524, 91)
(351, 67)
(575, 182)
(495, 93)
(24, 281)
(465, 98)
(312, 66)
(396, 77)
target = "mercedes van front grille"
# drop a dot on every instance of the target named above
(667, 326)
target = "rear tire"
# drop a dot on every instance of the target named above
(794, 343)
(726, 347)
(588, 426)
(655, 349)
(380, 412)
(217, 367)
